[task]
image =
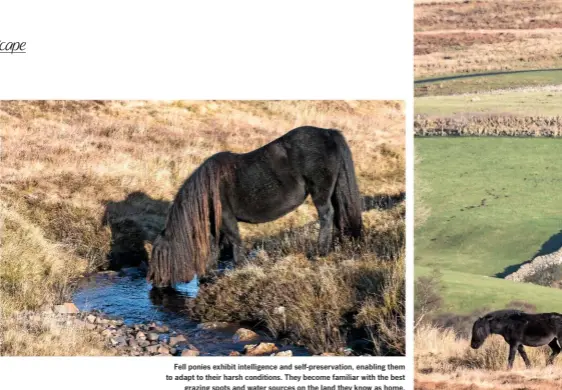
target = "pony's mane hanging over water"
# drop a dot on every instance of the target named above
(192, 228)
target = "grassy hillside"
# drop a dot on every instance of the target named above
(523, 101)
(483, 84)
(488, 204)
(465, 293)
(86, 183)
(479, 36)
(495, 202)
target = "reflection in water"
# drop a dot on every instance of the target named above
(170, 300)
(132, 298)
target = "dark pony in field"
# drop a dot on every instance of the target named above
(256, 187)
(519, 329)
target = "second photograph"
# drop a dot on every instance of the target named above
(488, 195)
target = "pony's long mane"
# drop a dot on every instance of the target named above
(185, 246)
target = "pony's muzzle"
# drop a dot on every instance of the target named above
(475, 345)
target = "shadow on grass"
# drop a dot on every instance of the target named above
(549, 246)
(139, 218)
(133, 221)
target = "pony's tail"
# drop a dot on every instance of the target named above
(346, 199)
(185, 246)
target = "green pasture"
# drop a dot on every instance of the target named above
(493, 203)
(465, 292)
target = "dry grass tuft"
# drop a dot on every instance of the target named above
(35, 273)
(323, 300)
(45, 335)
(33, 270)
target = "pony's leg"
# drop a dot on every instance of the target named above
(326, 217)
(230, 230)
(524, 356)
(555, 351)
(511, 358)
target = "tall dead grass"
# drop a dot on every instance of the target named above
(443, 359)
(443, 350)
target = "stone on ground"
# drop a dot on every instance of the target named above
(189, 352)
(66, 308)
(283, 353)
(244, 334)
(174, 340)
(260, 349)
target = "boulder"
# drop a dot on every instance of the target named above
(152, 349)
(102, 321)
(213, 325)
(243, 334)
(189, 352)
(283, 353)
(143, 343)
(260, 349)
(153, 336)
(163, 350)
(133, 343)
(66, 308)
(116, 322)
(118, 341)
(174, 340)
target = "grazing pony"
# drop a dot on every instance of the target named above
(256, 187)
(519, 329)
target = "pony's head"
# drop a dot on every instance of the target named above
(185, 247)
(161, 266)
(480, 331)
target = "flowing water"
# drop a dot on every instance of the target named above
(131, 298)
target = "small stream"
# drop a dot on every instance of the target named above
(131, 298)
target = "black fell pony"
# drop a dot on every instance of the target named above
(256, 187)
(519, 329)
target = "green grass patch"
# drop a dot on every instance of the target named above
(483, 83)
(493, 202)
(530, 103)
(464, 292)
